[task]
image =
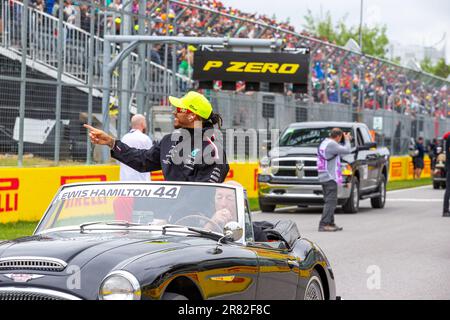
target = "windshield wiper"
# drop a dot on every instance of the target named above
(207, 234)
(109, 223)
(202, 232)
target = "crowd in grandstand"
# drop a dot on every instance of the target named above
(336, 77)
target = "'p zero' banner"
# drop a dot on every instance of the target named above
(251, 67)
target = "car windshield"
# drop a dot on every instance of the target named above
(307, 137)
(200, 206)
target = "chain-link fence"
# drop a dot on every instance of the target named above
(51, 79)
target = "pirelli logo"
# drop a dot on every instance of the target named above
(9, 195)
(251, 67)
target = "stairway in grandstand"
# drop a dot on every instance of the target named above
(42, 52)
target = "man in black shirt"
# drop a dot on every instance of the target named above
(418, 160)
(446, 142)
(191, 153)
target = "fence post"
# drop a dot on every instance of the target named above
(125, 76)
(106, 92)
(59, 82)
(140, 96)
(90, 82)
(23, 74)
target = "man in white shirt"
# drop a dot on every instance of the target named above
(136, 138)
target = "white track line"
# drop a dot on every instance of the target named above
(388, 192)
(410, 189)
(415, 200)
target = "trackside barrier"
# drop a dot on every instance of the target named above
(25, 193)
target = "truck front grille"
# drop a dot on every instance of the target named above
(287, 168)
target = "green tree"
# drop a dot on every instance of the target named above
(374, 39)
(440, 69)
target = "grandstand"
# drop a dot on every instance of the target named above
(344, 84)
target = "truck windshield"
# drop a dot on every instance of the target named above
(306, 137)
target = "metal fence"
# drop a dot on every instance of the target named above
(51, 81)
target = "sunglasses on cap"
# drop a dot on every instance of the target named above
(181, 110)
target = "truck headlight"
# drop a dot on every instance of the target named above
(264, 162)
(346, 169)
(265, 165)
(120, 285)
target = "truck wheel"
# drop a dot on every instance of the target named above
(352, 204)
(379, 202)
(266, 207)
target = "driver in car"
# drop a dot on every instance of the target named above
(225, 206)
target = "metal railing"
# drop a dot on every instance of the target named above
(42, 48)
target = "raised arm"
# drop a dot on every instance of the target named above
(139, 160)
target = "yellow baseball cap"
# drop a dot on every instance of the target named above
(194, 102)
(192, 48)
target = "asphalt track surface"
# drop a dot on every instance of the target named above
(400, 252)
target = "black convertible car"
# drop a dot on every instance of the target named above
(170, 241)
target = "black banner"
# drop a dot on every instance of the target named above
(251, 67)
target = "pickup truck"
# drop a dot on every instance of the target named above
(288, 176)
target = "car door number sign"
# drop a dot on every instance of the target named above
(137, 191)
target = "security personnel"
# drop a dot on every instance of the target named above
(136, 138)
(193, 116)
(447, 169)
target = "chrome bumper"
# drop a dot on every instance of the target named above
(292, 192)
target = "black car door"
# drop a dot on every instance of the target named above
(278, 273)
(363, 163)
(373, 160)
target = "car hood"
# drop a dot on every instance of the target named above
(284, 152)
(78, 249)
(292, 151)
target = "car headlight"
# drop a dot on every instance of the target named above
(120, 285)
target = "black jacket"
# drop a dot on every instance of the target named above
(209, 165)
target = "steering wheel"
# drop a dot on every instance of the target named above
(198, 216)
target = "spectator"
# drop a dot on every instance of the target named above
(433, 152)
(85, 18)
(418, 159)
(39, 5)
(70, 13)
(49, 6)
(138, 139)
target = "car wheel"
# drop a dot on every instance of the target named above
(444, 185)
(314, 289)
(379, 202)
(436, 185)
(352, 204)
(173, 296)
(266, 207)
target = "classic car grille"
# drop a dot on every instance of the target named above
(29, 293)
(28, 296)
(32, 263)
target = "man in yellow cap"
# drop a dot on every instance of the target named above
(191, 153)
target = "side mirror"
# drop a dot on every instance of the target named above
(367, 146)
(233, 231)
